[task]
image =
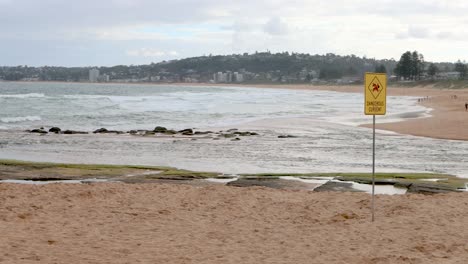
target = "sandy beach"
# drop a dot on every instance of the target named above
(159, 223)
(177, 223)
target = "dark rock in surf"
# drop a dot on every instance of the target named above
(39, 131)
(159, 129)
(202, 132)
(287, 136)
(188, 130)
(105, 131)
(73, 132)
(55, 130)
(100, 130)
(170, 132)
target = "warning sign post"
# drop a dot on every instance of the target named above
(376, 94)
(375, 103)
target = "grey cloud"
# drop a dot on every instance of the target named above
(444, 35)
(402, 35)
(418, 32)
(102, 31)
(276, 26)
(50, 15)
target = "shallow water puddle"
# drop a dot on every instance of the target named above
(379, 189)
(223, 180)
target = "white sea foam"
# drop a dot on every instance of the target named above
(28, 95)
(20, 119)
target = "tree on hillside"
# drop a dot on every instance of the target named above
(410, 66)
(417, 65)
(380, 69)
(460, 67)
(432, 70)
(403, 68)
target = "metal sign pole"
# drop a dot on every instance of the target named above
(373, 168)
(375, 103)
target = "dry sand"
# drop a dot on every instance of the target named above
(159, 223)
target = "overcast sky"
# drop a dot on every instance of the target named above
(111, 32)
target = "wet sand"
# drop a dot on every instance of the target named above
(159, 223)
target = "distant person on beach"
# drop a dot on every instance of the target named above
(466, 106)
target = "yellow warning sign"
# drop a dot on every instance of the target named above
(375, 90)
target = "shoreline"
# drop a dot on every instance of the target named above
(448, 117)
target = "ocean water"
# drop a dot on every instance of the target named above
(325, 123)
(125, 107)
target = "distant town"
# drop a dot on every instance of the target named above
(260, 67)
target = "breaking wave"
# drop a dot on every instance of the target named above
(20, 119)
(28, 95)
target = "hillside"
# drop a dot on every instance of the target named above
(264, 67)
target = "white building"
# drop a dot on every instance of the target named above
(103, 78)
(93, 75)
(220, 77)
(238, 77)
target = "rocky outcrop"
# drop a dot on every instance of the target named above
(287, 136)
(246, 133)
(332, 186)
(187, 131)
(270, 182)
(100, 130)
(73, 132)
(159, 129)
(105, 131)
(427, 188)
(233, 134)
(55, 130)
(202, 132)
(39, 131)
(170, 132)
